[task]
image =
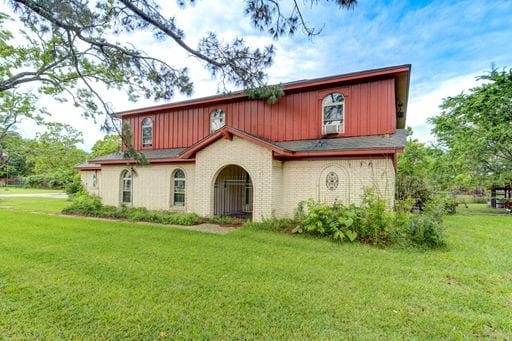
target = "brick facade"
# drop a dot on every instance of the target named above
(91, 181)
(278, 186)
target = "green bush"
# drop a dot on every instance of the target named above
(424, 229)
(450, 205)
(173, 218)
(412, 187)
(273, 224)
(84, 203)
(372, 223)
(112, 212)
(224, 220)
(90, 205)
(74, 186)
(376, 220)
(426, 232)
(337, 221)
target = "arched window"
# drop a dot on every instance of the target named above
(147, 132)
(217, 120)
(333, 110)
(126, 187)
(178, 198)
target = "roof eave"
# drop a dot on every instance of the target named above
(310, 83)
(345, 152)
(150, 160)
(227, 132)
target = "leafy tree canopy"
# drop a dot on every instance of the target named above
(47, 160)
(13, 161)
(109, 144)
(55, 150)
(476, 128)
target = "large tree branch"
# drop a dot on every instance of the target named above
(31, 76)
(156, 20)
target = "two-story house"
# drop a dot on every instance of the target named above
(325, 139)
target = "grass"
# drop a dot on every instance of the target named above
(480, 209)
(68, 278)
(38, 205)
(22, 190)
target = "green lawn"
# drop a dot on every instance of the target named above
(28, 204)
(64, 277)
(481, 210)
(22, 190)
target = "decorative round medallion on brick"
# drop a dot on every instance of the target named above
(331, 181)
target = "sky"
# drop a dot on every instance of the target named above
(449, 43)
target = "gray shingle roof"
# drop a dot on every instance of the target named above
(88, 165)
(149, 154)
(396, 140)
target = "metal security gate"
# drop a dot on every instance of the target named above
(233, 193)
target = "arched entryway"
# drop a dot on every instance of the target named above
(233, 193)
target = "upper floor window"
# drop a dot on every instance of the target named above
(178, 188)
(333, 110)
(126, 187)
(147, 132)
(217, 120)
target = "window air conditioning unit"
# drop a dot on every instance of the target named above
(331, 129)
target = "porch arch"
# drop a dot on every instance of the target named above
(233, 192)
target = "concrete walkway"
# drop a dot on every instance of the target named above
(37, 195)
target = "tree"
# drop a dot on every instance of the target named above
(71, 48)
(54, 154)
(15, 150)
(413, 171)
(109, 144)
(475, 128)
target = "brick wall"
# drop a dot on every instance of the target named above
(277, 186)
(256, 160)
(303, 180)
(152, 186)
(88, 183)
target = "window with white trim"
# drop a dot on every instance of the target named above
(217, 120)
(147, 132)
(333, 112)
(178, 179)
(126, 187)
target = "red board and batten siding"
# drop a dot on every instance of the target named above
(369, 110)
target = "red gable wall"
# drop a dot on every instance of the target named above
(369, 110)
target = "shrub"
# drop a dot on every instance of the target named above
(376, 220)
(425, 230)
(400, 227)
(36, 181)
(414, 187)
(84, 203)
(479, 200)
(337, 221)
(74, 186)
(112, 212)
(371, 223)
(224, 220)
(90, 205)
(174, 218)
(273, 224)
